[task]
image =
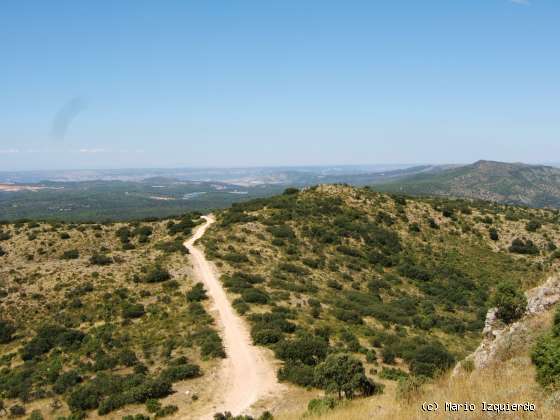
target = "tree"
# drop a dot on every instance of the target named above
(510, 301)
(343, 374)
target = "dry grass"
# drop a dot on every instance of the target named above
(511, 382)
(511, 379)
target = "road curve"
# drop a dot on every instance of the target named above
(246, 375)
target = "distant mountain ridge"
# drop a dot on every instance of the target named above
(509, 183)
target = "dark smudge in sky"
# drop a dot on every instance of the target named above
(65, 116)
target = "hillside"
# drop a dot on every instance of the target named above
(105, 319)
(508, 183)
(403, 285)
(102, 318)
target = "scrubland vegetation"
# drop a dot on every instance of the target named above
(398, 287)
(367, 298)
(99, 317)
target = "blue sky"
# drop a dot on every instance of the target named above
(238, 82)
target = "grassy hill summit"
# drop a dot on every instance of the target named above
(401, 285)
(510, 183)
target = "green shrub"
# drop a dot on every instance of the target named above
(307, 349)
(7, 330)
(71, 254)
(533, 226)
(66, 381)
(527, 247)
(156, 274)
(388, 355)
(235, 257)
(36, 415)
(168, 410)
(297, 373)
(133, 310)
(180, 373)
(197, 293)
(100, 259)
(319, 406)
(254, 295)
(430, 359)
(282, 232)
(170, 247)
(48, 337)
(153, 405)
(210, 343)
(510, 301)
(393, 374)
(17, 411)
(85, 397)
(546, 356)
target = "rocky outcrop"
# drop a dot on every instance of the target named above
(498, 336)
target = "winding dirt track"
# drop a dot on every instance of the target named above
(246, 375)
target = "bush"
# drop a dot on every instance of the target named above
(253, 295)
(71, 254)
(430, 359)
(235, 258)
(320, 406)
(170, 247)
(7, 330)
(197, 293)
(533, 226)
(167, 411)
(17, 411)
(48, 337)
(210, 343)
(266, 336)
(510, 301)
(66, 381)
(546, 356)
(297, 373)
(282, 232)
(388, 355)
(133, 310)
(153, 406)
(156, 274)
(307, 349)
(100, 259)
(393, 374)
(493, 234)
(36, 415)
(85, 397)
(519, 246)
(180, 373)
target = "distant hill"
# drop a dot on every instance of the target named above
(509, 183)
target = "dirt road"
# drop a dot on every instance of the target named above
(246, 375)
